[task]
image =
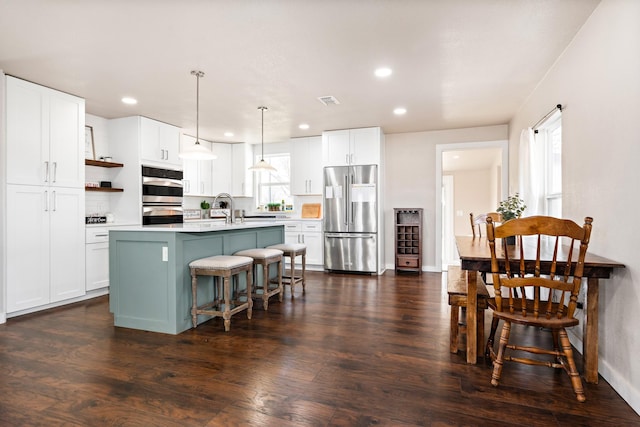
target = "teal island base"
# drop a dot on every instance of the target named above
(150, 281)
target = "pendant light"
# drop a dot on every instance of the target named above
(262, 165)
(197, 151)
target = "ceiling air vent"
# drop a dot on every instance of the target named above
(328, 100)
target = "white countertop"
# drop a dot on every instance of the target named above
(198, 227)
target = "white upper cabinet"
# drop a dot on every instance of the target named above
(352, 147)
(242, 177)
(159, 143)
(306, 169)
(45, 136)
(197, 173)
(221, 168)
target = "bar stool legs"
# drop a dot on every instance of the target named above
(293, 250)
(222, 269)
(265, 257)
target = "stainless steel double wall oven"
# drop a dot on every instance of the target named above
(161, 196)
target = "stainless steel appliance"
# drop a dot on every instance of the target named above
(351, 218)
(161, 196)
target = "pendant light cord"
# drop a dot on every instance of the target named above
(262, 134)
(198, 74)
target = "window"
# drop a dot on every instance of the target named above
(550, 134)
(273, 187)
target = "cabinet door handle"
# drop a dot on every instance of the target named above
(55, 171)
(346, 158)
(351, 158)
(101, 235)
(53, 196)
(202, 187)
(46, 201)
(46, 171)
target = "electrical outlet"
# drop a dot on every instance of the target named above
(579, 305)
(165, 254)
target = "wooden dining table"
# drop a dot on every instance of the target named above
(475, 256)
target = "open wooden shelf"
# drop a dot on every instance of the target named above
(102, 164)
(104, 189)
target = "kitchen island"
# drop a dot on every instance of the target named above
(150, 281)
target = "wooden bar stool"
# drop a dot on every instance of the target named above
(265, 257)
(293, 250)
(225, 302)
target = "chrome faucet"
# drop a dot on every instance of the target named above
(229, 219)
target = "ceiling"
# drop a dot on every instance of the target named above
(456, 63)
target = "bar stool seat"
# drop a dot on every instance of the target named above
(293, 250)
(265, 257)
(225, 302)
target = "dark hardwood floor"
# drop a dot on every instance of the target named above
(354, 351)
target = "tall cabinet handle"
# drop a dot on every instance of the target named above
(46, 171)
(53, 196)
(46, 201)
(55, 171)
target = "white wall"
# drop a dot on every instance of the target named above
(410, 168)
(597, 79)
(472, 193)
(96, 202)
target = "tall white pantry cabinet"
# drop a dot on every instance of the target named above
(43, 180)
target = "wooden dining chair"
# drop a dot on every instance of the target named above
(552, 288)
(479, 222)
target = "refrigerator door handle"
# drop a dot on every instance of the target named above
(350, 201)
(349, 236)
(346, 200)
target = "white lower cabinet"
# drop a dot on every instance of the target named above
(45, 245)
(309, 233)
(97, 256)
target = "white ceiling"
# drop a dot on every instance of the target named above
(456, 63)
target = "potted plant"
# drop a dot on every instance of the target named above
(205, 206)
(273, 206)
(511, 208)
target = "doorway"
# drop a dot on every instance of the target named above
(470, 177)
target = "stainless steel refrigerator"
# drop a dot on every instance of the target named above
(351, 218)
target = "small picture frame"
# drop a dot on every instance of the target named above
(89, 146)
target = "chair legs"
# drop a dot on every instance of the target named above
(571, 368)
(564, 358)
(499, 362)
(492, 335)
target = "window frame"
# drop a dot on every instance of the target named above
(551, 132)
(261, 186)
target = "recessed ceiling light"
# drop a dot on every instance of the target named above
(383, 72)
(303, 126)
(130, 101)
(399, 111)
(228, 134)
(456, 157)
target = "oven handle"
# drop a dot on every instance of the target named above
(161, 182)
(161, 210)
